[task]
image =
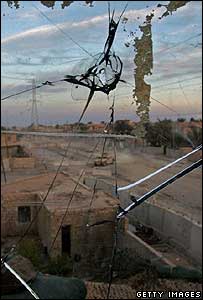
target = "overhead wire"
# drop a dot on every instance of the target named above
(179, 43)
(113, 256)
(61, 30)
(176, 82)
(132, 185)
(30, 89)
(149, 194)
(71, 198)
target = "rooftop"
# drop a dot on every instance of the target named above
(62, 192)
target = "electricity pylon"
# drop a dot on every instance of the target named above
(34, 111)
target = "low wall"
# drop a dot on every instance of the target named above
(22, 162)
(134, 244)
(178, 229)
(6, 164)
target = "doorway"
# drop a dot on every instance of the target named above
(66, 239)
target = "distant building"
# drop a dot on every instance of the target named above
(8, 139)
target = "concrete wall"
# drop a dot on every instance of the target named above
(93, 245)
(9, 151)
(44, 226)
(6, 164)
(134, 245)
(176, 228)
(7, 139)
(82, 237)
(22, 162)
(179, 229)
(9, 213)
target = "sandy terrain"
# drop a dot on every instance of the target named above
(183, 196)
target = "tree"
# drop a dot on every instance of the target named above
(160, 134)
(83, 127)
(194, 120)
(122, 127)
(195, 135)
(181, 120)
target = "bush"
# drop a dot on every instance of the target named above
(60, 265)
(30, 249)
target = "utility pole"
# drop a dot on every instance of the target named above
(34, 111)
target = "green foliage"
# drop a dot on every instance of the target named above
(180, 140)
(195, 120)
(128, 262)
(60, 265)
(30, 249)
(159, 133)
(82, 127)
(195, 135)
(181, 120)
(122, 127)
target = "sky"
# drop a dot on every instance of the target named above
(34, 47)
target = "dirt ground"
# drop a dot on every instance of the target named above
(184, 196)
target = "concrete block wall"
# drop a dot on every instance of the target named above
(9, 213)
(84, 240)
(93, 245)
(43, 226)
(22, 162)
(7, 139)
(136, 246)
(179, 229)
(6, 164)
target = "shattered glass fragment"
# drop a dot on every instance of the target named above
(171, 7)
(47, 3)
(144, 64)
(105, 72)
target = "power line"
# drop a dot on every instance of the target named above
(17, 78)
(139, 201)
(184, 86)
(176, 82)
(177, 44)
(61, 30)
(72, 195)
(30, 89)
(132, 185)
(185, 96)
(166, 106)
(34, 110)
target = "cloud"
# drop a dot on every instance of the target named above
(50, 29)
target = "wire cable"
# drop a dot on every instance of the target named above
(31, 89)
(179, 43)
(158, 188)
(127, 187)
(62, 31)
(71, 198)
